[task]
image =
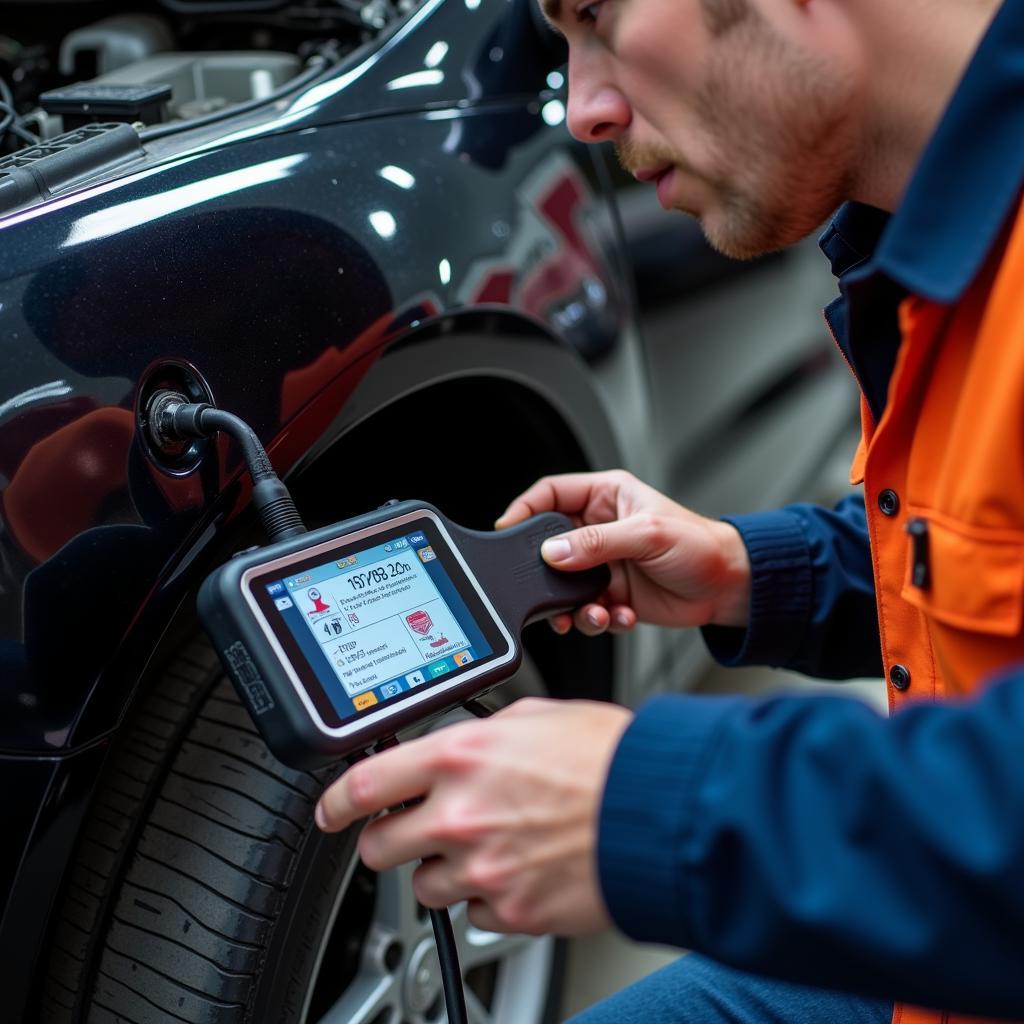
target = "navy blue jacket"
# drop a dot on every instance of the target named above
(774, 835)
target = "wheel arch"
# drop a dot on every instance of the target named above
(514, 408)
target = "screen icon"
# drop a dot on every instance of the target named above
(319, 604)
(420, 622)
(364, 700)
(463, 658)
(439, 668)
(390, 690)
(415, 678)
(275, 588)
(427, 554)
(332, 627)
(282, 602)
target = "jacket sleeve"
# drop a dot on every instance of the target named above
(813, 840)
(812, 603)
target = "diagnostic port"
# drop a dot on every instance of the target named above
(165, 383)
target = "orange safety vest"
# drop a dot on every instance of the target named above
(947, 457)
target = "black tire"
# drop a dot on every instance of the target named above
(202, 891)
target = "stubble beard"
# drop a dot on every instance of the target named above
(780, 144)
(634, 156)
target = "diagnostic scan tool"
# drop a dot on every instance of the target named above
(338, 638)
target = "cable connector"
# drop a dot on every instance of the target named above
(171, 418)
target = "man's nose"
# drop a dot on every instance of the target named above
(597, 114)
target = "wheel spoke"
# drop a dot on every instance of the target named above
(479, 947)
(486, 947)
(475, 1009)
(397, 909)
(364, 1000)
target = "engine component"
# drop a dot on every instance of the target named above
(113, 43)
(205, 82)
(10, 120)
(88, 102)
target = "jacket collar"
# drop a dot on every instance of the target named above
(966, 184)
(852, 236)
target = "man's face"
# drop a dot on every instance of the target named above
(722, 105)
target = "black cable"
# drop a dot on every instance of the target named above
(477, 708)
(440, 918)
(11, 123)
(451, 972)
(23, 133)
(444, 934)
(170, 418)
(197, 419)
(274, 503)
(7, 100)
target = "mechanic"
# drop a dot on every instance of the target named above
(806, 840)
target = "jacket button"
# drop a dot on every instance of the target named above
(889, 502)
(899, 676)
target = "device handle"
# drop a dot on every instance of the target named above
(522, 586)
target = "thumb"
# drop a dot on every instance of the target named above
(631, 539)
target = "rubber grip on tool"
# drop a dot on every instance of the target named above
(521, 585)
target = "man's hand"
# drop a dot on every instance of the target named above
(669, 566)
(508, 818)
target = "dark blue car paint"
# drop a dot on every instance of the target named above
(274, 258)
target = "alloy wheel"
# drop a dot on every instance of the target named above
(396, 977)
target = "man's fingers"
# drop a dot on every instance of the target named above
(592, 619)
(519, 510)
(623, 618)
(382, 781)
(561, 624)
(434, 884)
(397, 839)
(570, 493)
(595, 619)
(635, 537)
(483, 917)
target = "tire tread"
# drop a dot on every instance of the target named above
(182, 864)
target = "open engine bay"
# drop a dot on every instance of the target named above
(73, 70)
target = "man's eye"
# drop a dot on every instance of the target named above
(588, 14)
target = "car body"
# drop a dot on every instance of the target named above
(404, 275)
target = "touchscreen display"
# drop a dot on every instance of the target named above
(374, 623)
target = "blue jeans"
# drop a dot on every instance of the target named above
(694, 990)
